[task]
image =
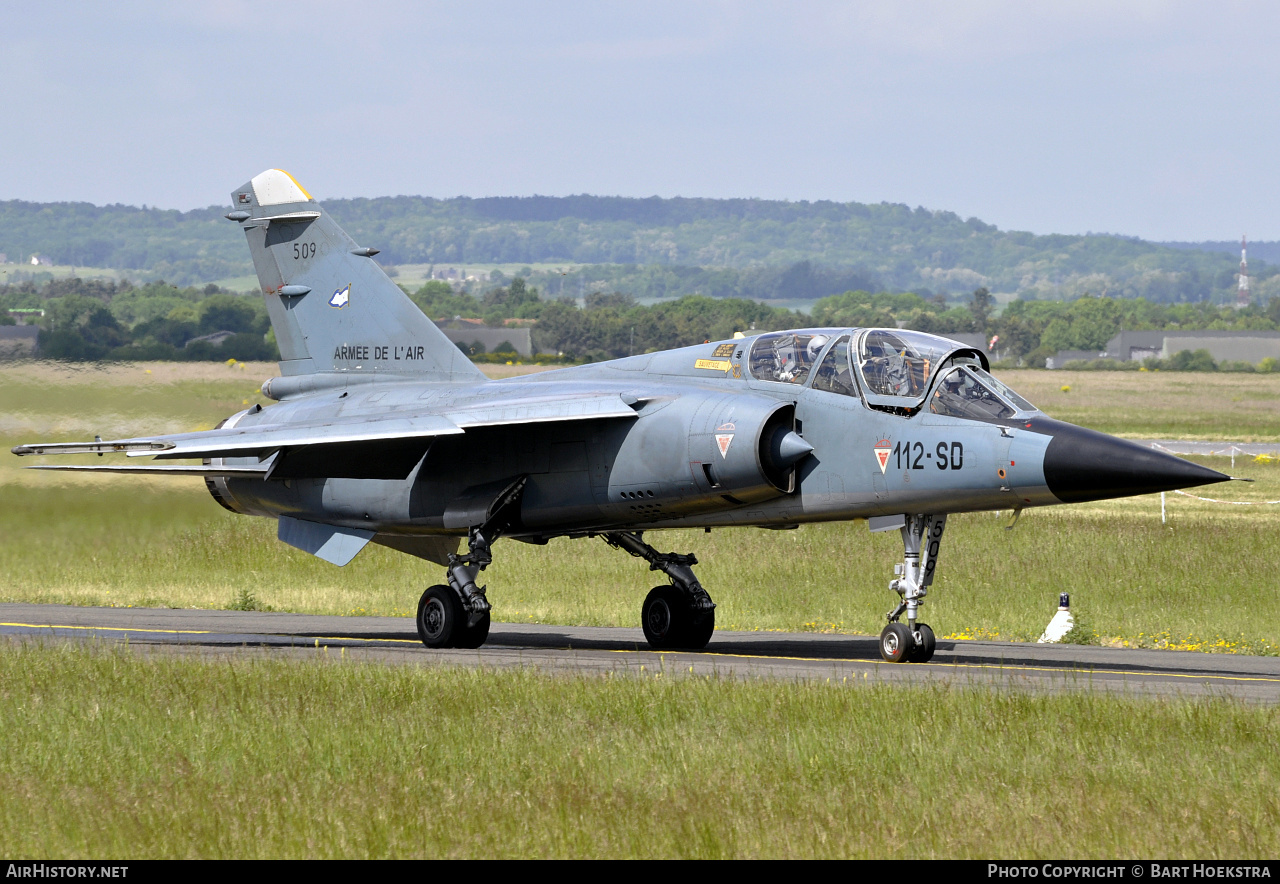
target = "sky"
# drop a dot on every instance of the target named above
(1150, 119)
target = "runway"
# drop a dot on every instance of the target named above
(838, 659)
(1221, 449)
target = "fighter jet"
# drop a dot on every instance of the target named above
(384, 432)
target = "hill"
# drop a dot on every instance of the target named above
(657, 247)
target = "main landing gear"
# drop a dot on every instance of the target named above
(677, 615)
(913, 642)
(457, 615)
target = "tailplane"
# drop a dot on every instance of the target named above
(332, 307)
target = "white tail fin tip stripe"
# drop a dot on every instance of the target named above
(276, 187)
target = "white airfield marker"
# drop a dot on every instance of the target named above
(1061, 623)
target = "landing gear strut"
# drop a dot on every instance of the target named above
(457, 615)
(921, 542)
(678, 615)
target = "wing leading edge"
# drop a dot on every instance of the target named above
(395, 443)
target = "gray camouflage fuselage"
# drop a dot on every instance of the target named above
(647, 471)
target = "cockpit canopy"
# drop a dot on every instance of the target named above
(901, 364)
(898, 370)
(787, 357)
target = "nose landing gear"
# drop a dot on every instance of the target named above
(913, 642)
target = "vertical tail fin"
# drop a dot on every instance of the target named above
(332, 308)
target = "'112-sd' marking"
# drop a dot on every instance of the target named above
(912, 456)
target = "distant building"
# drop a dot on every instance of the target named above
(215, 339)
(469, 332)
(1135, 346)
(460, 322)
(26, 315)
(1240, 346)
(41, 259)
(457, 274)
(19, 341)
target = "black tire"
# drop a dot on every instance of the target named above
(923, 650)
(471, 636)
(665, 617)
(439, 616)
(896, 643)
(700, 633)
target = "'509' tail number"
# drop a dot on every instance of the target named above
(913, 456)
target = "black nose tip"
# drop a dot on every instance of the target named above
(1082, 464)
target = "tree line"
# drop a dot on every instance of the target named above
(93, 319)
(612, 325)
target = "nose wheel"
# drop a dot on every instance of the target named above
(898, 644)
(895, 642)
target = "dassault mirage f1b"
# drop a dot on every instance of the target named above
(383, 431)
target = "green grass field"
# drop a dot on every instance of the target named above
(1199, 582)
(1159, 405)
(114, 753)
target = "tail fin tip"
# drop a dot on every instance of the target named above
(276, 187)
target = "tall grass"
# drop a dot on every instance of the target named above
(111, 753)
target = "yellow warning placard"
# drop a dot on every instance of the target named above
(713, 364)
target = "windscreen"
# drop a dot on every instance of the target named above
(962, 393)
(1003, 389)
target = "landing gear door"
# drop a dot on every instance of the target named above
(930, 546)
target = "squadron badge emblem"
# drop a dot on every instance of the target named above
(341, 297)
(723, 439)
(882, 451)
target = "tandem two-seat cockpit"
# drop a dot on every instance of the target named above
(898, 373)
(891, 370)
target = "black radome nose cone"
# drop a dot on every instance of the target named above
(1082, 465)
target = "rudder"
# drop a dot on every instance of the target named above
(331, 306)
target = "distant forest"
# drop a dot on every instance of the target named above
(656, 247)
(86, 320)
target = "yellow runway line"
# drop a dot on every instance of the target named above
(351, 638)
(112, 628)
(323, 638)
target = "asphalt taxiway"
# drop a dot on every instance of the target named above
(795, 656)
